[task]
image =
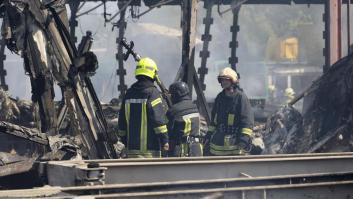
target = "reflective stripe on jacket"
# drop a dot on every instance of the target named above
(184, 125)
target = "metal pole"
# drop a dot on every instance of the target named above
(332, 34)
(206, 38)
(3, 72)
(233, 59)
(348, 27)
(74, 5)
(187, 72)
(189, 14)
(121, 24)
(338, 20)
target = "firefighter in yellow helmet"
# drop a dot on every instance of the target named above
(230, 132)
(142, 119)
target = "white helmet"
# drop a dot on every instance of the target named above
(271, 88)
(228, 73)
(289, 92)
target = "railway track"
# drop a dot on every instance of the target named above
(297, 185)
(271, 176)
(171, 170)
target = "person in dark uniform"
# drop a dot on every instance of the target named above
(230, 132)
(184, 123)
(142, 120)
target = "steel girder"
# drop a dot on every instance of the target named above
(160, 170)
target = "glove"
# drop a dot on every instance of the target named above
(245, 142)
(208, 137)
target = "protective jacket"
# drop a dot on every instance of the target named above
(142, 120)
(184, 128)
(231, 118)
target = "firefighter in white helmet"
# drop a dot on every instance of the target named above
(290, 94)
(230, 132)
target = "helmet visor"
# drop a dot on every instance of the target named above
(220, 78)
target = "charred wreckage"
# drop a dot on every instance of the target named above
(79, 128)
(75, 127)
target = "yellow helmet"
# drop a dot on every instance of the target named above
(146, 67)
(228, 73)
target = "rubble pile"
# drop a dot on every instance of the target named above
(283, 131)
(326, 122)
(16, 111)
(328, 112)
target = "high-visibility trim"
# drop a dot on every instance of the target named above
(230, 119)
(136, 101)
(221, 153)
(143, 132)
(225, 150)
(211, 128)
(184, 150)
(187, 120)
(143, 136)
(121, 133)
(247, 131)
(187, 128)
(161, 129)
(127, 116)
(191, 115)
(156, 101)
(146, 154)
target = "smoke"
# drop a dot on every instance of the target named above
(262, 27)
(157, 35)
(18, 82)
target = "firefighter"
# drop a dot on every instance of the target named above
(230, 132)
(142, 119)
(290, 94)
(184, 123)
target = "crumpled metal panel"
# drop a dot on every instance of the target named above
(283, 129)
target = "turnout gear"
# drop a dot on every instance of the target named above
(231, 123)
(228, 73)
(178, 90)
(184, 128)
(146, 67)
(142, 121)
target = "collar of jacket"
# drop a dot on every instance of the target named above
(186, 97)
(143, 83)
(237, 91)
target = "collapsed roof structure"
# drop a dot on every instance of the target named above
(76, 128)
